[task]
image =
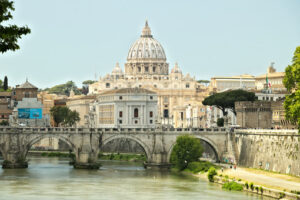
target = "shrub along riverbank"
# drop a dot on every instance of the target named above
(102, 156)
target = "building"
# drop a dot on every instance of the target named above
(6, 105)
(223, 83)
(147, 67)
(81, 104)
(125, 108)
(257, 114)
(272, 80)
(26, 90)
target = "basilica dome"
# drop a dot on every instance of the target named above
(146, 47)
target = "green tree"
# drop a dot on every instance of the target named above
(225, 100)
(187, 149)
(64, 116)
(292, 82)
(4, 123)
(5, 84)
(9, 34)
(88, 82)
(72, 118)
(211, 173)
(64, 89)
(220, 122)
(59, 114)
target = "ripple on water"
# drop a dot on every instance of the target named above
(53, 178)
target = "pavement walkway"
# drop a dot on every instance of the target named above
(264, 178)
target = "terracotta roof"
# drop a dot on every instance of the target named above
(271, 75)
(27, 85)
(128, 91)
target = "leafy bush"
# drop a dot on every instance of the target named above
(186, 150)
(261, 190)
(251, 186)
(199, 166)
(246, 185)
(211, 173)
(233, 186)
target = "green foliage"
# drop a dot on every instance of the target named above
(246, 185)
(88, 82)
(5, 84)
(211, 173)
(281, 195)
(295, 192)
(4, 123)
(187, 149)
(64, 89)
(199, 166)
(227, 99)
(251, 186)
(292, 82)
(64, 116)
(261, 189)
(233, 186)
(9, 34)
(220, 122)
(123, 157)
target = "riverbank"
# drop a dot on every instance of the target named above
(278, 186)
(102, 156)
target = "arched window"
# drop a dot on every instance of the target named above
(136, 112)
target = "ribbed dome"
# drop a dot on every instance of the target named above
(146, 47)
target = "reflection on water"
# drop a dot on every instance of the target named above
(53, 178)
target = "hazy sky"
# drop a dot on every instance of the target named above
(74, 39)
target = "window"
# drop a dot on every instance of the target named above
(151, 114)
(27, 95)
(151, 97)
(181, 115)
(166, 113)
(153, 69)
(107, 85)
(139, 69)
(120, 121)
(136, 112)
(187, 85)
(155, 86)
(120, 97)
(120, 114)
(140, 86)
(151, 121)
(146, 69)
(135, 121)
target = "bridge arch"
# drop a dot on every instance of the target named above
(205, 139)
(130, 137)
(38, 138)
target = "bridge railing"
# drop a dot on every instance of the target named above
(108, 130)
(267, 131)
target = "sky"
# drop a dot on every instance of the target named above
(80, 39)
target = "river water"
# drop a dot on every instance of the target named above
(53, 178)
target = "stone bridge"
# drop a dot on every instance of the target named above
(87, 142)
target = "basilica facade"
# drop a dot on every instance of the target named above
(179, 96)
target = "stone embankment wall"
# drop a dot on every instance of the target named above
(274, 150)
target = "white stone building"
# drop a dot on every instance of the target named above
(124, 108)
(147, 67)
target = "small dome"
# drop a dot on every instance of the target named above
(117, 70)
(176, 69)
(146, 47)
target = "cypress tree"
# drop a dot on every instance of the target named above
(5, 84)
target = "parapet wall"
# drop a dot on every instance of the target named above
(274, 150)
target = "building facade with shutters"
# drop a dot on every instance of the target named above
(124, 108)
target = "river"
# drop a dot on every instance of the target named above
(52, 178)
